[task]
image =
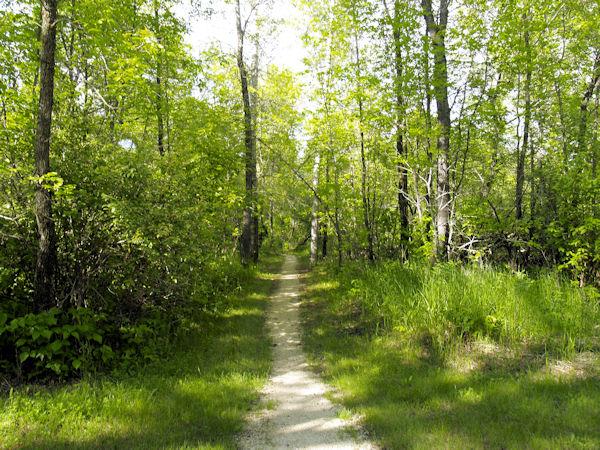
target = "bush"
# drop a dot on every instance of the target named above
(54, 342)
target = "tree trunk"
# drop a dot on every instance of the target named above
(255, 238)
(401, 150)
(522, 154)
(46, 258)
(159, 94)
(314, 223)
(363, 160)
(440, 82)
(336, 222)
(249, 240)
(325, 228)
(427, 89)
(587, 96)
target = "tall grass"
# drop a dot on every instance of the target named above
(452, 303)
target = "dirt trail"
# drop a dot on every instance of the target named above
(298, 415)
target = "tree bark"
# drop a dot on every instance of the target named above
(587, 96)
(363, 161)
(401, 150)
(314, 223)
(45, 272)
(522, 154)
(325, 227)
(255, 238)
(159, 93)
(249, 240)
(436, 31)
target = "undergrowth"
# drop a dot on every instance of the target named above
(195, 396)
(451, 303)
(452, 357)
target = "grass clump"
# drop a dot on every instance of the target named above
(195, 398)
(451, 357)
(453, 303)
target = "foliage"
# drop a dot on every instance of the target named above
(144, 239)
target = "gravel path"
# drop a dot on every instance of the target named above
(298, 416)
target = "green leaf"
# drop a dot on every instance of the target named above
(56, 346)
(56, 367)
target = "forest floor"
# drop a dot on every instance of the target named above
(479, 396)
(196, 397)
(296, 412)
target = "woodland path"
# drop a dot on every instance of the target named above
(298, 416)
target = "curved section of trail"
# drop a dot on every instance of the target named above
(298, 416)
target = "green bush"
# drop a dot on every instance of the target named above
(54, 342)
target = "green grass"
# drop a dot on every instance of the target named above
(421, 376)
(195, 398)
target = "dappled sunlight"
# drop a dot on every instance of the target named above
(289, 276)
(323, 286)
(478, 393)
(267, 276)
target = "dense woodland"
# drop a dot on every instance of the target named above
(139, 181)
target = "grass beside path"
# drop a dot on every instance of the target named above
(476, 395)
(196, 398)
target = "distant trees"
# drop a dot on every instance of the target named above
(504, 80)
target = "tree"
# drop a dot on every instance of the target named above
(46, 258)
(249, 238)
(585, 101)
(160, 132)
(522, 151)
(364, 190)
(395, 20)
(437, 31)
(314, 224)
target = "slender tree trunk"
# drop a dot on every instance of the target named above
(160, 136)
(437, 33)
(336, 222)
(522, 154)
(401, 150)
(325, 228)
(46, 258)
(249, 242)
(595, 138)
(314, 223)
(365, 199)
(587, 96)
(272, 218)
(255, 238)
(427, 89)
(534, 189)
(363, 159)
